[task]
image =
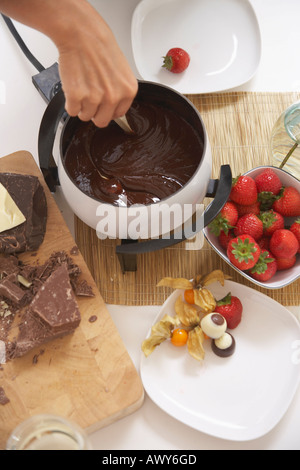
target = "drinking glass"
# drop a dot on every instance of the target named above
(48, 432)
(285, 140)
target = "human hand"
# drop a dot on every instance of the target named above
(96, 78)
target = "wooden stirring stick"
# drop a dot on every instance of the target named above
(123, 123)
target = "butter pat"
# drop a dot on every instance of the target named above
(10, 214)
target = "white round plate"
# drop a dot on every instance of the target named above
(281, 278)
(222, 38)
(238, 398)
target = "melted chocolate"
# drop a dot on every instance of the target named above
(114, 167)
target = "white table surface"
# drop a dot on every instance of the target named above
(21, 110)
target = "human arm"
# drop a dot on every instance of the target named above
(96, 77)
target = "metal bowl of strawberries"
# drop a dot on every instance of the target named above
(258, 231)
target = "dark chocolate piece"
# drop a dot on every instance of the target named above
(83, 289)
(11, 291)
(3, 398)
(8, 265)
(74, 250)
(29, 196)
(55, 260)
(55, 304)
(53, 313)
(93, 318)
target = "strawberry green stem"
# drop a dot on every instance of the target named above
(168, 62)
(225, 301)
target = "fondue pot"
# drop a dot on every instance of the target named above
(86, 208)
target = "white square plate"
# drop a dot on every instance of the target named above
(222, 38)
(238, 398)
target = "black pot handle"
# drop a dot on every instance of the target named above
(54, 113)
(219, 189)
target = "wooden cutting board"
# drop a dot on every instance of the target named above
(87, 377)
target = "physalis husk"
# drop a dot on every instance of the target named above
(195, 343)
(175, 283)
(161, 331)
(205, 300)
(187, 314)
(215, 276)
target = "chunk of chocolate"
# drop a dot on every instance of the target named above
(53, 313)
(28, 194)
(83, 289)
(55, 304)
(11, 291)
(3, 398)
(32, 334)
(8, 265)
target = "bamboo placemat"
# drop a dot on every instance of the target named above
(239, 126)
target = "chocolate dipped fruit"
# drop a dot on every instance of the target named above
(214, 325)
(224, 346)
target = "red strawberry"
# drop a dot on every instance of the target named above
(272, 221)
(231, 308)
(251, 225)
(285, 263)
(264, 243)
(252, 209)
(225, 220)
(295, 229)
(243, 252)
(288, 204)
(284, 244)
(268, 181)
(224, 238)
(244, 190)
(177, 60)
(265, 268)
